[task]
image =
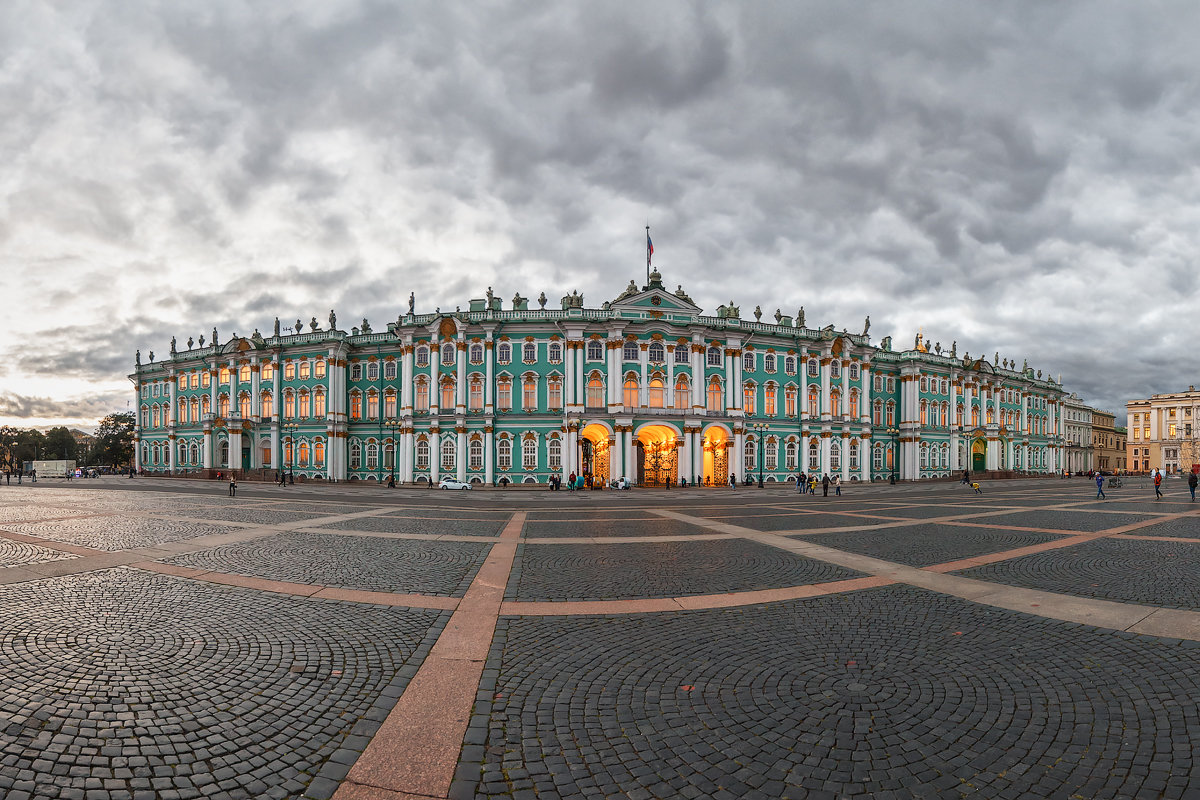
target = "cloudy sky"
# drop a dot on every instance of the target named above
(1020, 177)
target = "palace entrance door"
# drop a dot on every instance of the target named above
(716, 457)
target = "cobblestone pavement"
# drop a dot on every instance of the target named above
(159, 639)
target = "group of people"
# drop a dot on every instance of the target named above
(807, 484)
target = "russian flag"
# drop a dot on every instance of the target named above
(649, 249)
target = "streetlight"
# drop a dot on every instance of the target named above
(895, 434)
(289, 429)
(391, 423)
(759, 449)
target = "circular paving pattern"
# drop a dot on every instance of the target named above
(121, 532)
(133, 682)
(659, 569)
(842, 696)
(354, 562)
(15, 553)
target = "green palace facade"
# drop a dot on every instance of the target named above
(645, 386)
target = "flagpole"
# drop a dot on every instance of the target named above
(647, 255)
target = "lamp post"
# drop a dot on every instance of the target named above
(391, 423)
(759, 450)
(895, 434)
(289, 429)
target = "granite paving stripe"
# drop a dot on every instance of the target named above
(926, 545)
(659, 569)
(608, 528)
(428, 527)
(418, 746)
(358, 562)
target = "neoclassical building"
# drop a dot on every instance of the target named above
(645, 386)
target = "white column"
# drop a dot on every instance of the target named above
(845, 465)
(826, 408)
(255, 384)
(406, 380)
(408, 445)
(235, 444)
(489, 377)
(643, 365)
(730, 379)
(570, 453)
(616, 377)
(826, 448)
(630, 455)
(569, 379)
(460, 455)
(212, 390)
(864, 460)
(685, 457)
(967, 400)
(738, 466)
(275, 447)
(845, 387)
(865, 400)
(235, 408)
(435, 454)
(460, 384)
(804, 452)
(737, 388)
(489, 456)
(208, 449)
(669, 389)
(172, 447)
(698, 383)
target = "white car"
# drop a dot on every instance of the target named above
(451, 483)
(621, 483)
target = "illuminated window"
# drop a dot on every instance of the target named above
(789, 399)
(422, 394)
(244, 403)
(554, 393)
(715, 401)
(355, 406)
(304, 370)
(656, 393)
(683, 391)
(769, 399)
(389, 405)
(319, 453)
(319, 369)
(749, 398)
(204, 405)
(814, 402)
(268, 409)
(631, 392)
(529, 395)
(289, 404)
(224, 375)
(372, 406)
(268, 371)
(195, 380)
(595, 392)
(289, 370)
(504, 394)
(183, 381)
(205, 379)
(303, 460)
(447, 393)
(223, 401)
(305, 405)
(476, 398)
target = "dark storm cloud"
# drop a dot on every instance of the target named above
(93, 407)
(1016, 177)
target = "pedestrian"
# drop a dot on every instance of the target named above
(975, 486)
(1157, 484)
(291, 477)
(232, 485)
(800, 483)
(571, 481)
(825, 485)
(1192, 485)
(391, 481)
(732, 481)
(812, 483)
(1099, 486)
(965, 478)
(837, 485)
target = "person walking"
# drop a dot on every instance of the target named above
(232, 485)
(825, 485)
(975, 486)
(1099, 486)
(966, 478)
(1192, 480)
(1157, 484)
(837, 485)
(800, 483)
(732, 481)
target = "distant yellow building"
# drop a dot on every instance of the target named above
(1163, 432)
(1108, 442)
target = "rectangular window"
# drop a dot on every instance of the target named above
(304, 370)
(504, 396)
(319, 368)
(555, 395)
(476, 395)
(529, 396)
(205, 379)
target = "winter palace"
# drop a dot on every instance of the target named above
(645, 386)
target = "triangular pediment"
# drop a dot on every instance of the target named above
(654, 300)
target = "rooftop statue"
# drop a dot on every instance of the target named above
(366, 326)
(332, 320)
(276, 330)
(800, 317)
(172, 345)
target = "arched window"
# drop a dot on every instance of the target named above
(631, 392)
(373, 370)
(814, 456)
(554, 451)
(683, 392)
(769, 399)
(751, 452)
(975, 416)
(304, 369)
(244, 404)
(924, 455)
(303, 460)
(958, 415)
(504, 394)
(529, 454)
(891, 413)
(355, 371)
(748, 361)
(475, 353)
(223, 375)
(372, 456)
(422, 394)
(770, 454)
(789, 398)
(714, 356)
(244, 373)
(715, 399)
(789, 365)
(447, 394)
(530, 353)
(183, 409)
(835, 369)
(223, 454)
(814, 402)
(769, 362)
(554, 393)
(319, 453)
(475, 454)
(835, 402)
(924, 384)
(814, 369)
(422, 458)
(835, 455)
(529, 393)
(389, 454)
(319, 368)
(595, 350)
(554, 353)
(750, 399)
(504, 454)
(877, 413)
(476, 395)
(204, 405)
(447, 354)
(789, 455)
(305, 404)
(853, 455)
(389, 370)
(195, 454)
(656, 393)
(223, 405)
(854, 403)
(373, 405)
(267, 402)
(503, 353)
(853, 370)
(355, 405)
(877, 383)
(656, 353)
(448, 455)
(629, 351)
(595, 393)
(877, 458)
(389, 404)
(422, 356)
(924, 421)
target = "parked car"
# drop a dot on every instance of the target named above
(451, 483)
(621, 483)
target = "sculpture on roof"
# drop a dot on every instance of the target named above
(412, 299)
(800, 317)
(172, 345)
(214, 337)
(778, 317)
(542, 300)
(276, 329)
(312, 326)
(866, 325)
(191, 342)
(366, 326)
(137, 358)
(682, 295)
(757, 313)
(630, 291)
(202, 340)
(332, 320)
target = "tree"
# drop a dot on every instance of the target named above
(8, 448)
(114, 440)
(59, 443)
(31, 445)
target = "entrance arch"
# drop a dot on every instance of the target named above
(657, 455)
(978, 455)
(594, 449)
(715, 444)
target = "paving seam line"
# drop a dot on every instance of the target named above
(416, 749)
(1180, 624)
